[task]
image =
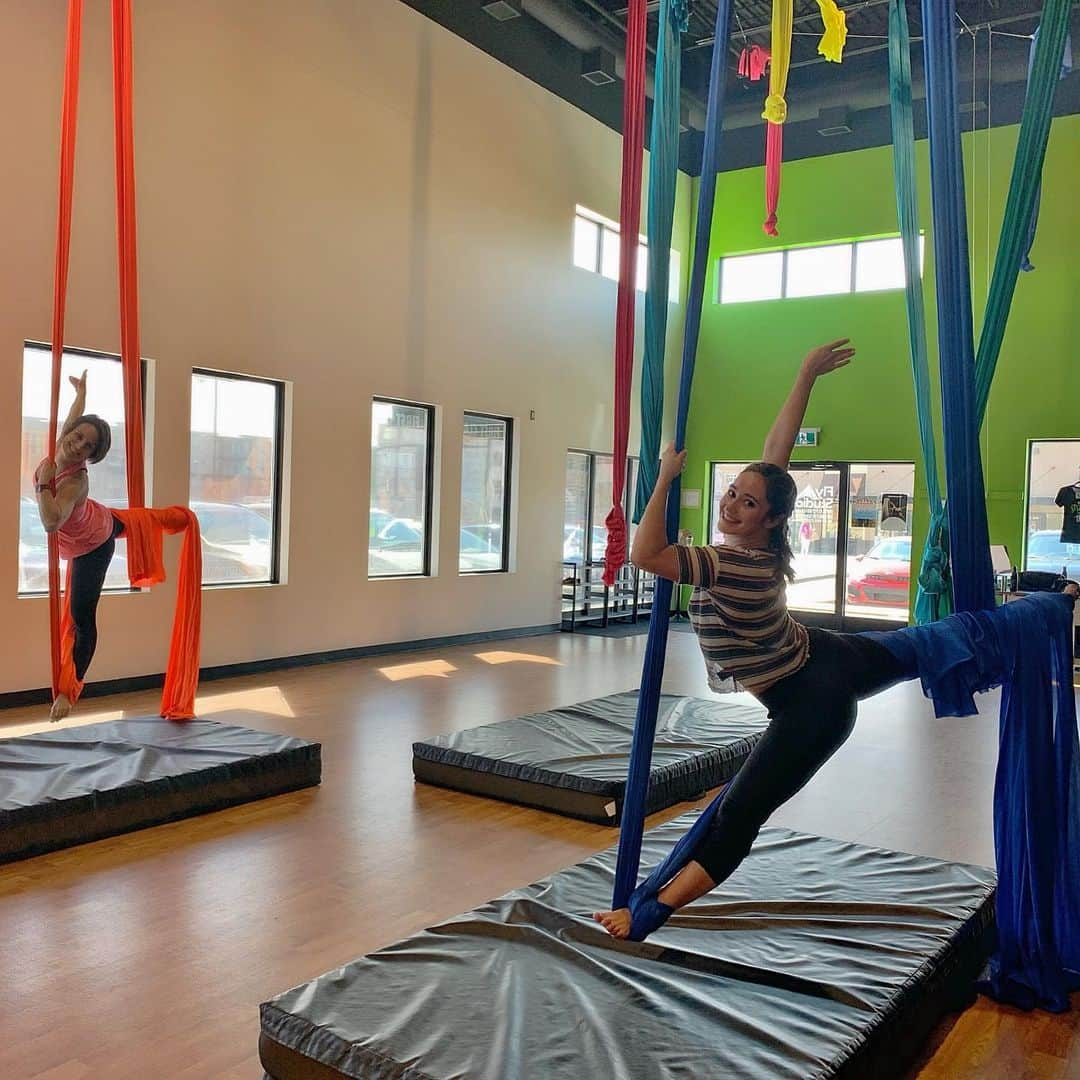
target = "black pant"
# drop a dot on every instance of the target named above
(812, 713)
(87, 578)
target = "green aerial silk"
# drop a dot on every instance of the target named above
(933, 599)
(1023, 191)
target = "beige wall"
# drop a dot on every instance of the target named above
(341, 194)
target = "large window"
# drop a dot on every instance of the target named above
(108, 479)
(484, 544)
(850, 535)
(402, 463)
(235, 481)
(826, 270)
(1053, 513)
(596, 248)
(587, 501)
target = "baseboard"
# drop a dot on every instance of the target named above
(131, 684)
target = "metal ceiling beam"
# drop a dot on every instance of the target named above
(765, 27)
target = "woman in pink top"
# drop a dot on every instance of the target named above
(86, 530)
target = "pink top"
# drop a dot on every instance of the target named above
(89, 525)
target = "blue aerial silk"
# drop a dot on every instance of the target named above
(969, 537)
(932, 600)
(652, 674)
(663, 173)
(962, 412)
(1025, 646)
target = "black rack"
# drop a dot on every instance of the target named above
(587, 601)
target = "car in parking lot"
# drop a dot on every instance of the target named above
(883, 575)
(1046, 551)
(398, 549)
(573, 538)
(237, 543)
(34, 554)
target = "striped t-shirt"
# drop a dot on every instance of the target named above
(739, 612)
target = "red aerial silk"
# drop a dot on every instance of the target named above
(68, 126)
(774, 156)
(143, 528)
(629, 230)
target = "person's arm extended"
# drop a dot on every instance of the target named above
(650, 550)
(78, 406)
(820, 361)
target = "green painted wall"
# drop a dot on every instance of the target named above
(749, 352)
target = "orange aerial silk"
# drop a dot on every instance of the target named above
(144, 528)
(144, 531)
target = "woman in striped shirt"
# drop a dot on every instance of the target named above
(810, 679)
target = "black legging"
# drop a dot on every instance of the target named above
(812, 713)
(87, 578)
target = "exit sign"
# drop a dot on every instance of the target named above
(808, 436)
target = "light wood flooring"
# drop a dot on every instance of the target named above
(146, 956)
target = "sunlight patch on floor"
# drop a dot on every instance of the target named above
(263, 699)
(502, 656)
(438, 669)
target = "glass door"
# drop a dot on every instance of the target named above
(879, 518)
(851, 538)
(817, 537)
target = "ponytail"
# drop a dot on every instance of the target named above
(780, 493)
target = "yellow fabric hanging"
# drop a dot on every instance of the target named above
(831, 45)
(782, 18)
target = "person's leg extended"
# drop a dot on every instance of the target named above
(87, 580)
(800, 739)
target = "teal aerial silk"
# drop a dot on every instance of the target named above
(663, 171)
(933, 599)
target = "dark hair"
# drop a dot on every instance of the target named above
(104, 435)
(780, 494)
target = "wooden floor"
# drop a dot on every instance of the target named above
(146, 956)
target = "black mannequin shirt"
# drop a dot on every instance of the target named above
(1069, 499)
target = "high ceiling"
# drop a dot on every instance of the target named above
(557, 42)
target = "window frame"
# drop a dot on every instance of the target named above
(591, 522)
(841, 619)
(1027, 532)
(429, 490)
(279, 461)
(605, 225)
(508, 474)
(93, 354)
(854, 244)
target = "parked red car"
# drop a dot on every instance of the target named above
(883, 574)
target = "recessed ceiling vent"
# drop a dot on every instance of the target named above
(835, 121)
(598, 67)
(501, 11)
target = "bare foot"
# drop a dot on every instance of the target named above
(60, 708)
(616, 923)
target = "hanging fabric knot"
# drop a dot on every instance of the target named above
(680, 15)
(831, 45)
(615, 552)
(933, 577)
(775, 109)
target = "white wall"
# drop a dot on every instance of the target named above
(344, 195)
